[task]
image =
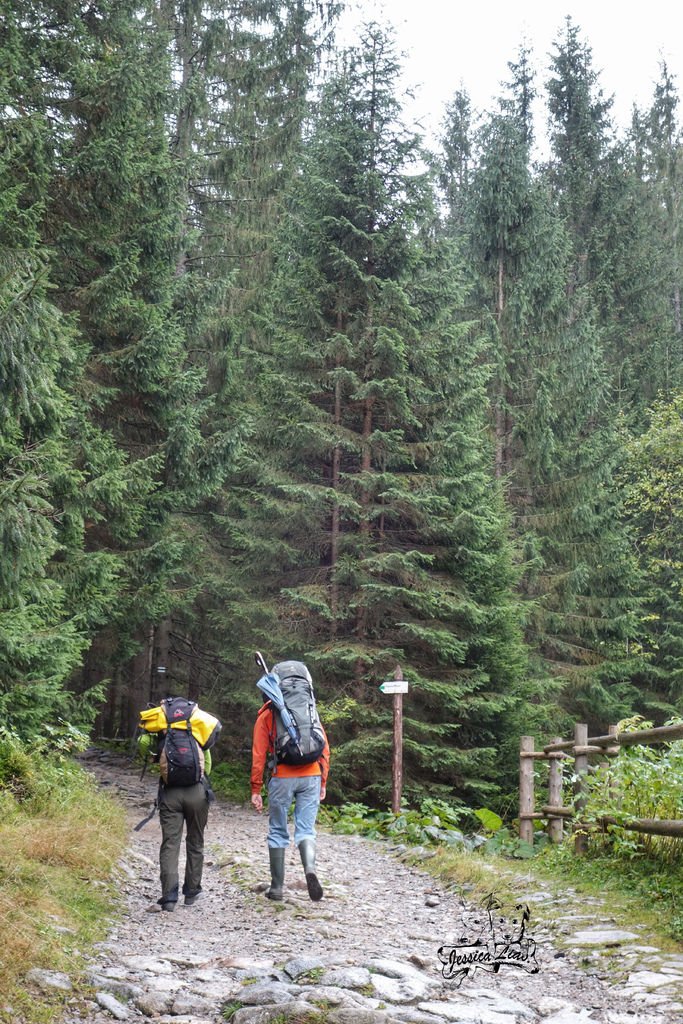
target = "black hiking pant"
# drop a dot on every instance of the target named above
(182, 806)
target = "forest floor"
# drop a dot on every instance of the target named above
(367, 953)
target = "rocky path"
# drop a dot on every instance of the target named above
(366, 954)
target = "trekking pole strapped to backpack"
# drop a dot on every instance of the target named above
(299, 737)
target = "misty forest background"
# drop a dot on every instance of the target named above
(275, 377)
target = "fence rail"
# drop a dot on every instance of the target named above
(580, 749)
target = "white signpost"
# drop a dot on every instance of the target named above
(396, 686)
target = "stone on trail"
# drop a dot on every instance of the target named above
(120, 973)
(152, 1004)
(571, 1017)
(500, 1003)
(109, 1002)
(122, 989)
(395, 981)
(49, 980)
(352, 1015)
(190, 1005)
(147, 965)
(302, 965)
(211, 975)
(271, 992)
(346, 977)
(162, 983)
(465, 1013)
(293, 1011)
(601, 937)
(392, 968)
(648, 979)
(400, 990)
(551, 1004)
(409, 1015)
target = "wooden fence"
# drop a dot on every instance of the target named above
(580, 749)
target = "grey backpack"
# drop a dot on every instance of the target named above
(297, 690)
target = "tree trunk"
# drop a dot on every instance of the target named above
(500, 427)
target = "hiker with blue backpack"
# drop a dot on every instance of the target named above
(179, 736)
(289, 738)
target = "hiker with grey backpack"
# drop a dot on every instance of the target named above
(289, 738)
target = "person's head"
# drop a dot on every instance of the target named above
(287, 669)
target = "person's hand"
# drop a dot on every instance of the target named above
(323, 790)
(257, 801)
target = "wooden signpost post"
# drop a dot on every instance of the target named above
(396, 686)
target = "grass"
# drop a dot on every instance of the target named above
(642, 890)
(59, 841)
(637, 892)
(311, 977)
(474, 874)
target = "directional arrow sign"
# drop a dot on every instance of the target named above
(394, 686)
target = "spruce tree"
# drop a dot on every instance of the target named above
(582, 579)
(534, 289)
(240, 100)
(53, 594)
(652, 480)
(653, 301)
(113, 221)
(455, 161)
(368, 532)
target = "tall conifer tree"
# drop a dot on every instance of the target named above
(52, 593)
(582, 584)
(653, 482)
(113, 222)
(370, 525)
(242, 96)
(657, 271)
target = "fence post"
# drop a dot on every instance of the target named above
(555, 825)
(580, 771)
(526, 789)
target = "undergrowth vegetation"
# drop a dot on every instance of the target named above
(641, 782)
(230, 781)
(59, 839)
(432, 823)
(638, 875)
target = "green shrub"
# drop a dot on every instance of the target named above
(640, 782)
(231, 781)
(17, 770)
(434, 823)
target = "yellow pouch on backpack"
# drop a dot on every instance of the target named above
(153, 720)
(202, 724)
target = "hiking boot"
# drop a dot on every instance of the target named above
(277, 873)
(307, 851)
(192, 898)
(168, 907)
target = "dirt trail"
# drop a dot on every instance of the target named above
(366, 954)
